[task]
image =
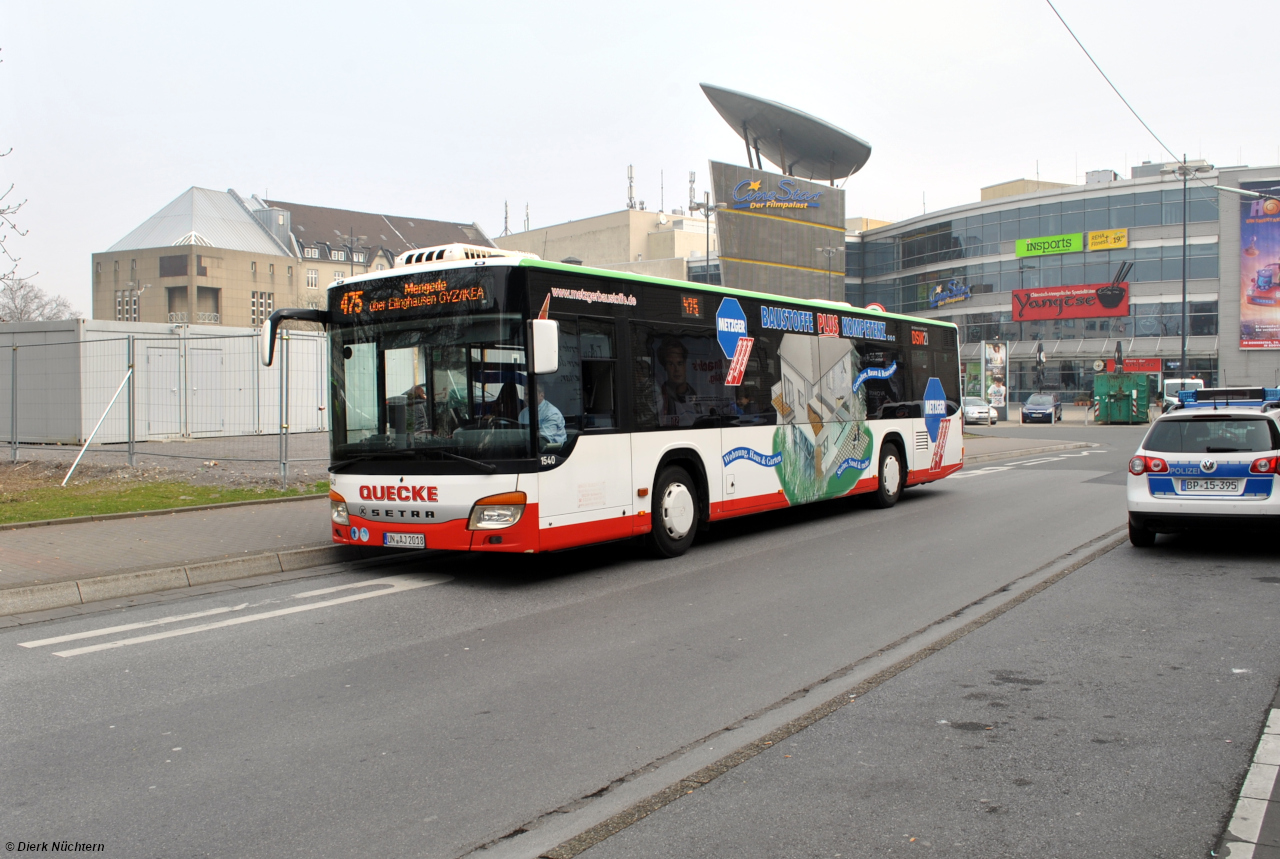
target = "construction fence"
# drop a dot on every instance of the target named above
(174, 394)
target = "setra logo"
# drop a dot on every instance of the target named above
(399, 493)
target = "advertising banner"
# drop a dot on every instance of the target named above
(1260, 269)
(1068, 243)
(1136, 365)
(1105, 240)
(1085, 301)
(995, 362)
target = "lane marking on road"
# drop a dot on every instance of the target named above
(991, 469)
(111, 630)
(383, 587)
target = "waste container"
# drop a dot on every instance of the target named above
(1120, 398)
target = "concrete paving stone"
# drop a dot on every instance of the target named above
(1273, 723)
(302, 558)
(41, 616)
(216, 587)
(1260, 781)
(1269, 750)
(7, 621)
(38, 598)
(233, 568)
(128, 584)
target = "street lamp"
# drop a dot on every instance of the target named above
(830, 254)
(1186, 172)
(706, 207)
(352, 238)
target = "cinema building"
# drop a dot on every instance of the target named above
(1025, 263)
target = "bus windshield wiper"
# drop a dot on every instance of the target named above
(483, 466)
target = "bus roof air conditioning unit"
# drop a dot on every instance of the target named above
(457, 251)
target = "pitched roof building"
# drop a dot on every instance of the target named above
(214, 257)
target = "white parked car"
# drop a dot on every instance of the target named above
(977, 411)
(1208, 464)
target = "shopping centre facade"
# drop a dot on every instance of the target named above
(1024, 270)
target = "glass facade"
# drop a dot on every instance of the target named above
(980, 235)
(1162, 319)
(911, 293)
(877, 259)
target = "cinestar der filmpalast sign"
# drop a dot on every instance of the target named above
(1069, 243)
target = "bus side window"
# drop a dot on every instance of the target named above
(946, 367)
(644, 389)
(599, 360)
(563, 389)
(885, 398)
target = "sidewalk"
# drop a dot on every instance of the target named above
(75, 567)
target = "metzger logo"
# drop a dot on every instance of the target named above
(935, 407)
(399, 493)
(731, 325)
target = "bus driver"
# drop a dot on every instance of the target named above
(550, 421)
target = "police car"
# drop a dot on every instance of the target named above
(1210, 462)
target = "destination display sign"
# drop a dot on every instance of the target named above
(414, 295)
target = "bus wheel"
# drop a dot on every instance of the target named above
(889, 487)
(675, 513)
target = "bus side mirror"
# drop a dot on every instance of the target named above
(544, 341)
(267, 339)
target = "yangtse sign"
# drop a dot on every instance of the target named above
(1071, 302)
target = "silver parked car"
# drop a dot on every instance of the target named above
(977, 411)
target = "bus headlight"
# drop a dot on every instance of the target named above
(338, 509)
(497, 511)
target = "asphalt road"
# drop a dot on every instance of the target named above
(432, 712)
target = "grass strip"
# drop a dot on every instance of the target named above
(112, 496)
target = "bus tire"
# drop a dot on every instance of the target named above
(891, 477)
(675, 513)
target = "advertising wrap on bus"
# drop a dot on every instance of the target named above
(671, 406)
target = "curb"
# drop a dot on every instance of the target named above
(33, 598)
(1029, 451)
(164, 511)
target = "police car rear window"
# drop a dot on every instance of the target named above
(1214, 435)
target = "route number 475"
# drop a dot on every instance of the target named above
(352, 303)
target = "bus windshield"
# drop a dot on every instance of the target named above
(441, 384)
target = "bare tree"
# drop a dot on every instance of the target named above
(23, 301)
(8, 211)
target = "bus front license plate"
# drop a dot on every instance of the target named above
(405, 541)
(1215, 486)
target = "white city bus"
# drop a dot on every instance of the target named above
(490, 401)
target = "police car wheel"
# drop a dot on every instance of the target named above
(892, 476)
(1141, 537)
(674, 513)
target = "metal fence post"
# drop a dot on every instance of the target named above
(284, 409)
(13, 405)
(131, 401)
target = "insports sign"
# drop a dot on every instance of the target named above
(1067, 243)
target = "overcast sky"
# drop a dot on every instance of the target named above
(445, 110)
